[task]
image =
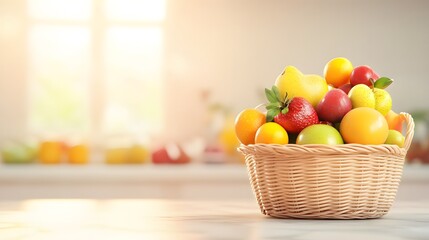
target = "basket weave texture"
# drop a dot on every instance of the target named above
(349, 181)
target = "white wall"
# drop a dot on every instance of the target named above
(236, 48)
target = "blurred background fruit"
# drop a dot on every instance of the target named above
(51, 152)
(138, 154)
(116, 155)
(170, 154)
(19, 152)
(78, 154)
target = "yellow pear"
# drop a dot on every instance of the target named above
(311, 87)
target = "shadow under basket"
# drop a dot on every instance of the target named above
(348, 181)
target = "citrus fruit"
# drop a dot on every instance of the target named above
(337, 71)
(364, 125)
(362, 96)
(296, 84)
(271, 132)
(395, 138)
(383, 101)
(247, 123)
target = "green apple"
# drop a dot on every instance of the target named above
(18, 153)
(311, 87)
(396, 138)
(319, 134)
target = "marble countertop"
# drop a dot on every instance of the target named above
(170, 219)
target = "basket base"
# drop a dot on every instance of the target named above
(328, 215)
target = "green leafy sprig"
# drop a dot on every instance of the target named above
(276, 103)
(381, 83)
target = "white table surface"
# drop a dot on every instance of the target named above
(171, 219)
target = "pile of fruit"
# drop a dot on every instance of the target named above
(348, 105)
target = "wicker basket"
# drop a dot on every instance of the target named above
(350, 181)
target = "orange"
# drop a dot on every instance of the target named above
(271, 132)
(50, 152)
(78, 154)
(138, 154)
(117, 155)
(337, 71)
(364, 125)
(247, 123)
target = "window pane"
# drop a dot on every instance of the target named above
(133, 76)
(59, 75)
(60, 9)
(144, 10)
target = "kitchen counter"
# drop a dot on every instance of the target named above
(189, 182)
(172, 219)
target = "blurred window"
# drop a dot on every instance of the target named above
(95, 66)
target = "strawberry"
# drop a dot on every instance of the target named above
(292, 114)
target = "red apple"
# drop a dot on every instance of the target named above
(362, 75)
(346, 88)
(334, 106)
(170, 154)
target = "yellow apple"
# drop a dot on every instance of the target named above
(311, 87)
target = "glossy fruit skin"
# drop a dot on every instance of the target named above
(300, 115)
(383, 101)
(296, 84)
(334, 106)
(319, 134)
(337, 71)
(78, 154)
(395, 138)
(362, 75)
(346, 88)
(364, 126)
(362, 96)
(394, 120)
(271, 133)
(247, 123)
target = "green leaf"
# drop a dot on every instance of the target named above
(272, 105)
(270, 96)
(383, 82)
(276, 92)
(272, 113)
(285, 110)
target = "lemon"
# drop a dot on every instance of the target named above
(362, 96)
(383, 101)
(296, 84)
